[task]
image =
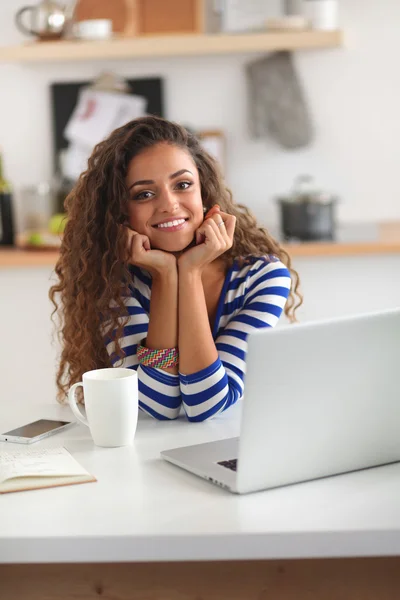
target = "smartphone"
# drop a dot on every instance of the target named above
(35, 431)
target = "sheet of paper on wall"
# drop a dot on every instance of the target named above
(74, 161)
(98, 113)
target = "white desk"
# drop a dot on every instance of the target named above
(144, 510)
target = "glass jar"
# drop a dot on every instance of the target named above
(37, 206)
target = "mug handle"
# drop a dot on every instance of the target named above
(74, 406)
(19, 22)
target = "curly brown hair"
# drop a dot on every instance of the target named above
(93, 272)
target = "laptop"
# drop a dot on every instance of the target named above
(320, 398)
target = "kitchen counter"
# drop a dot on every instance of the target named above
(352, 240)
(143, 512)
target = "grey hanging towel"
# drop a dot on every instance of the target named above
(277, 106)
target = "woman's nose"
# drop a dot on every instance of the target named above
(168, 201)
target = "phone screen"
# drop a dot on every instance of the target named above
(31, 430)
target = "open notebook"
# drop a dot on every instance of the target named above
(35, 469)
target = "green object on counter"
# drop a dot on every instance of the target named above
(5, 186)
(57, 223)
(35, 239)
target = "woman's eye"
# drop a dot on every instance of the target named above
(145, 195)
(184, 185)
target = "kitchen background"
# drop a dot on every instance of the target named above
(353, 94)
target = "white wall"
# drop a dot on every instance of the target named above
(354, 94)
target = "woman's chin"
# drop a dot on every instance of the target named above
(173, 249)
(173, 245)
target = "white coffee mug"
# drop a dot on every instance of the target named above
(111, 402)
(322, 14)
(94, 29)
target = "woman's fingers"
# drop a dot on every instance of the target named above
(213, 210)
(128, 229)
(199, 237)
(214, 234)
(137, 244)
(131, 235)
(205, 233)
(140, 242)
(230, 224)
(226, 224)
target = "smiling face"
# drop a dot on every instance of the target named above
(165, 197)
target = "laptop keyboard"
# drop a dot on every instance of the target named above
(229, 464)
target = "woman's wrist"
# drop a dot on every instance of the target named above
(191, 270)
(166, 273)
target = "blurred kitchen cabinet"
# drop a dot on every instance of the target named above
(137, 17)
(174, 16)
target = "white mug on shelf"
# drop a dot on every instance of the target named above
(93, 29)
(321, 14)
(111, 402)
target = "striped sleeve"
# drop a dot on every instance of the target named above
(216, 388)
(159, 391)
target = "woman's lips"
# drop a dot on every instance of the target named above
(170, 226)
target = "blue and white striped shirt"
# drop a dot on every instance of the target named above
(253, 296)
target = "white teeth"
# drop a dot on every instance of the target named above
(172, 223)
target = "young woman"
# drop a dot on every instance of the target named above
(161, 272)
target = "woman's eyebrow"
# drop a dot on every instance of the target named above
(181, 172)
(150, 181)
(142, 182)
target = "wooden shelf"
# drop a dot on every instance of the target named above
(169, 45)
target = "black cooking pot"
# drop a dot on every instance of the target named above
(307, 220)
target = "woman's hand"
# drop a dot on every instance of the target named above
(213, 238)
(140, 254)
